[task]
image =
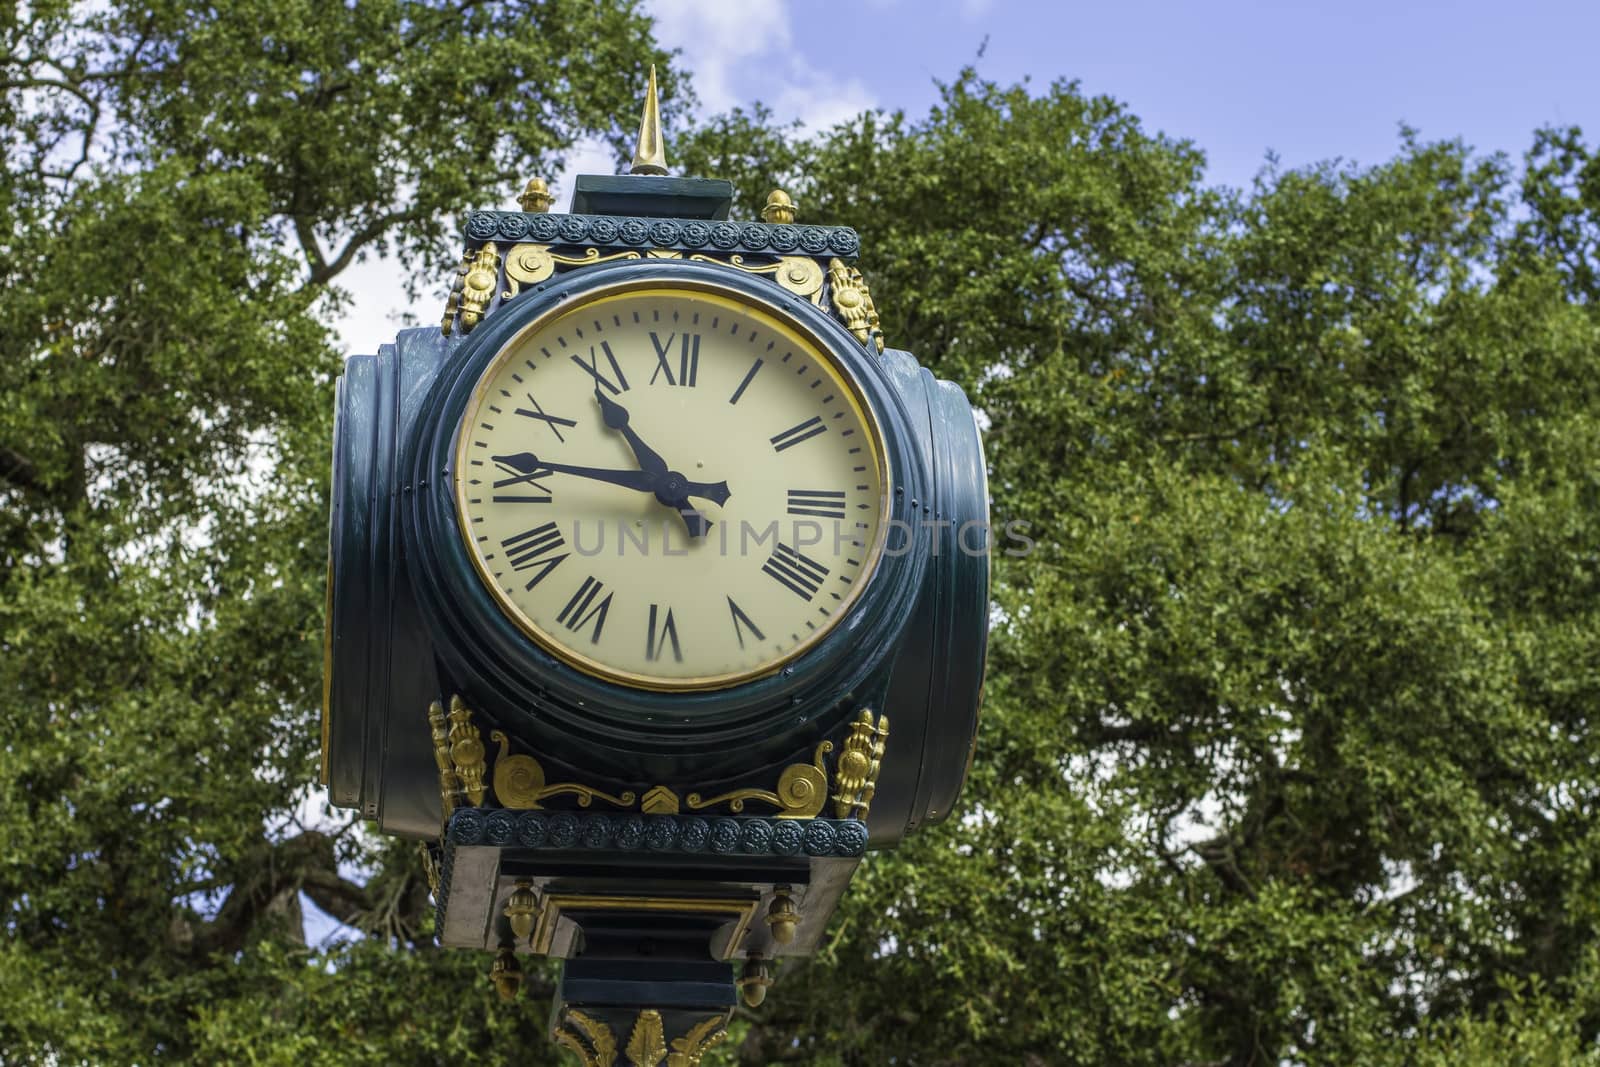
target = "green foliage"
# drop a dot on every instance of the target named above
(183, 184)
(1285, 755)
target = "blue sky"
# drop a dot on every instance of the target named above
(1310, 81)
(1237, 77)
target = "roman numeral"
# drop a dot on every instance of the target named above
(795, 434)
(581, 609)
(798, 573)
(688, 358)
(519, 478)
(592, 369)
(555, 422)
(738, 617)
(745, 384)
(818, 503)
(655, 644)
(535, 548)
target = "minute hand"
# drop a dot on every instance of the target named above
(643, 481)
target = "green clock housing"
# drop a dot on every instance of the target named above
(683, 755)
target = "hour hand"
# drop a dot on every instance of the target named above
(716, 492)
(675, 492)
(616, 418)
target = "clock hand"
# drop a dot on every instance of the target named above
(643, 481)
(672, 489)
(694, 520)
(528, 463)
(675, 493)
(616, 418)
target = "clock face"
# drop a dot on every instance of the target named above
(671, 488)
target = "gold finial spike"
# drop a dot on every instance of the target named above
(650, 157)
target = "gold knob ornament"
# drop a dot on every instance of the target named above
(536, 198)
(506, 973)
(783, 917)
(779, 209)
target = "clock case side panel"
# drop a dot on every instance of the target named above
(629, 734)
(383, 674)
(355, 633)
(934, 691)
(960, 577)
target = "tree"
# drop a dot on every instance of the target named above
(1286, 753)
(184, 186)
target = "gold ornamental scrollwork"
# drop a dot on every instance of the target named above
(647, 1045)
(802, 790)
(801, 275)
(590, 1038)
(688, 1050)
(449, 784)
(852, 302)
(476, 290)
(519, 782)
(530, 264)
(856, 772)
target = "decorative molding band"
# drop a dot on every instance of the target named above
(684, 235)
(563, 831)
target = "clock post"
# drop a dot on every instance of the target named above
(658, 596)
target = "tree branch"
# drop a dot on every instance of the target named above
(365, 236)
(307, 237)
(19, 470)
(324, 270)
(273, 871)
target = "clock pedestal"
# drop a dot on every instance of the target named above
(647, 911)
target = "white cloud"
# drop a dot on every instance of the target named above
(818, 100)
(740, 51)
(718, 38)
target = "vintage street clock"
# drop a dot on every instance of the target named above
(658, 594)
(653, 509)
